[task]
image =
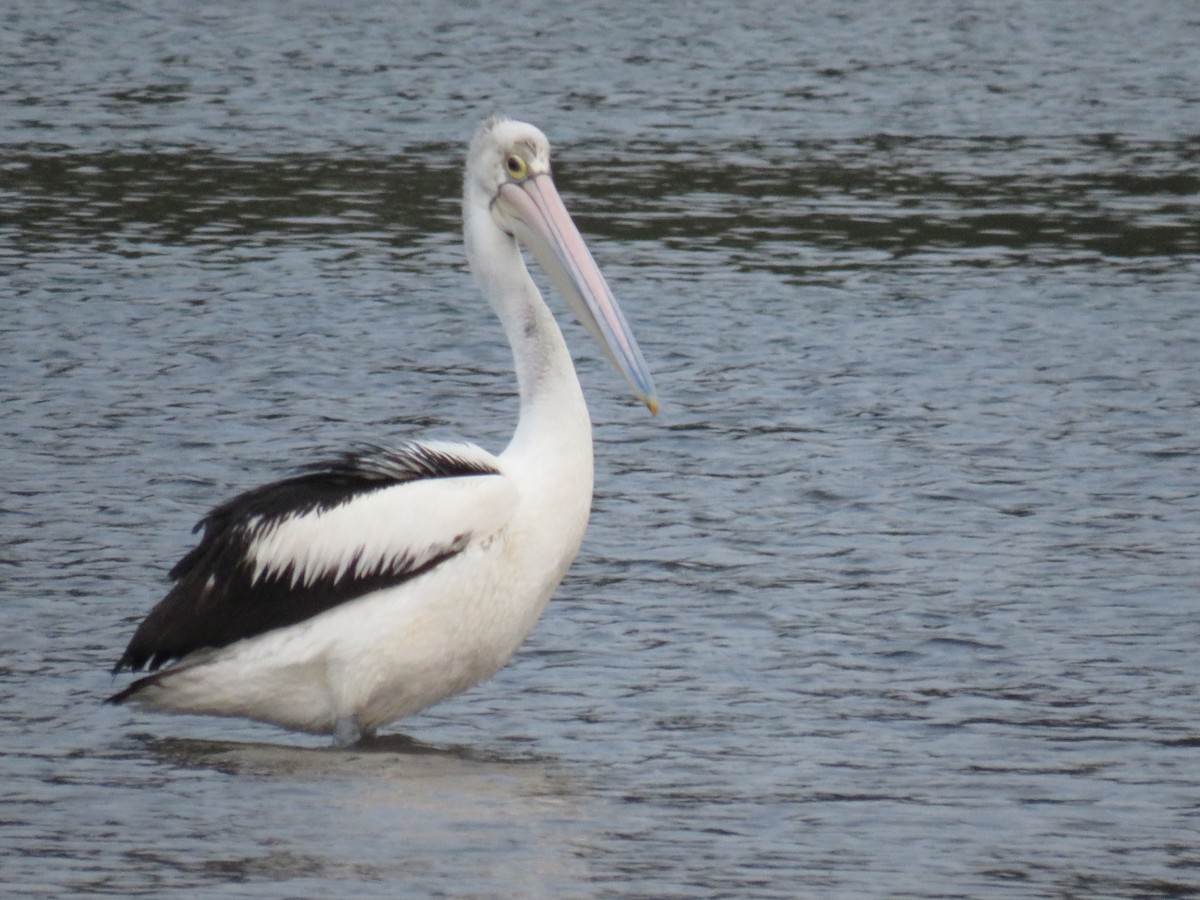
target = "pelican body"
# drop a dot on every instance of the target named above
(369, 587)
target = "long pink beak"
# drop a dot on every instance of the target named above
(541, 223)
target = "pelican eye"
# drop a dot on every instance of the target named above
(516, 166)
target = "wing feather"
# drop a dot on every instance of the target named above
(282, 553)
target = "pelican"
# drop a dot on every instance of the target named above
(367, 588)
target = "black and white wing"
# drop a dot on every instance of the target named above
(282, 553)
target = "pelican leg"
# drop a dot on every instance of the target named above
(347, 732)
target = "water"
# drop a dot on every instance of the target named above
(898, 595)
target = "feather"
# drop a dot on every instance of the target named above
(282, 553)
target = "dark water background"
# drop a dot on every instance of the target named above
(899, 595)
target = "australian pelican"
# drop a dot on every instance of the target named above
(368, 588)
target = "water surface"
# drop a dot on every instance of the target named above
(896, 597)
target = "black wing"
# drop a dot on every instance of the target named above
(218, 599)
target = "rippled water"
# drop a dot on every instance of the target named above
(897, 597)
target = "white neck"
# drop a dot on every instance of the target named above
(554, 420)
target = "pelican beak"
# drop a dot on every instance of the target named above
(540, 221)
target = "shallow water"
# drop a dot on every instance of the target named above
(896, 597)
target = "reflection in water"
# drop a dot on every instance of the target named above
(1042, 198)
(378, 755)
(390, 805)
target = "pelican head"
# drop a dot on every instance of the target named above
(509, 168)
